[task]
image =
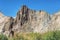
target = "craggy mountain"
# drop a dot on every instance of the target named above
(28, 20)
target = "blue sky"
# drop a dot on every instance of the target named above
(10, 7)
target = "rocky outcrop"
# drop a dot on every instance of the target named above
(6, 24)
(28, 20)
(55, 22)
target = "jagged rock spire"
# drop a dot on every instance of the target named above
(24, 9)
(22, 15)
(24, 6)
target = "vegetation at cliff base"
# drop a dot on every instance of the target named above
(52, 35)
(3, 37)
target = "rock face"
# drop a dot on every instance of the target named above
(6, 24)
(55, 22)
(28, 20)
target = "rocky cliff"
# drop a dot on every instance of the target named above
(28, 20)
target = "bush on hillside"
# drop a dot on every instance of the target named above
(3, 37)
(55, 35)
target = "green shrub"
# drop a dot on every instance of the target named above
(35, 36)
(3, 37)
(57, 35)
(54, 35)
